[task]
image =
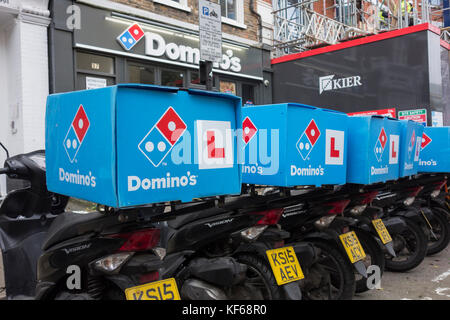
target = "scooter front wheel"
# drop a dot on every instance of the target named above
(440, 236)
(331, 276)
(260, 283)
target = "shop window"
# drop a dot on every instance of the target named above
(195, 78)
(178, 4)
(228, 8)
(228, 87)
(233, 12)
(141, 74)
(95, 63)
(172, 78)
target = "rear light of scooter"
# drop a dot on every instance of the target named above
(270, 217)
(278, 244)
(141, 240)
(337, 207)
(413, 192)
(437, 189)
(368, 197)
(149, 277)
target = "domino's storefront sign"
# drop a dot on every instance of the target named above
(132, 145)
(292, 144)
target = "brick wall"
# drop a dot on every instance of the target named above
(250, 19)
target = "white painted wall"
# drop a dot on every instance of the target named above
(23, 77)
(35, 86)
(3, 106)
(265, 11)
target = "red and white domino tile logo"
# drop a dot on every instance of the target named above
(162, 137)
(394, 144)
(334, 147)
(380, 144)
(215, 144)
(308, 139)
(249, 130)
(411, 144)
(76, 133)
(426, 140)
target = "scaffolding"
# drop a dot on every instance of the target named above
(301, 25)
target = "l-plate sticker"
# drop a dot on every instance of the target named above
(394, 140)
(334, 147)
(418, 146)
(215, 144)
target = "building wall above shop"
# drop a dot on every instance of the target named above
(241, 25)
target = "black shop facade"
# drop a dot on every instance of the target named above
(111, 48)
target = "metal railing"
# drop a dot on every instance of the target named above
(297, 27)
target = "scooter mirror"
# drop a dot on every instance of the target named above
(6, 150)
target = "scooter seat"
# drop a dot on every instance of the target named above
(70, 224)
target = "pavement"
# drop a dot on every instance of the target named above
(428, 281)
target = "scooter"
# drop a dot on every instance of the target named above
(436, 224)
(311, 216)
(371, 231)
(110, 252)
(403, 220)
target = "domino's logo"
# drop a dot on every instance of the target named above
(76, 133)
(162, 137)
(131, 36)
(308, 139)
(249, 130)
(411, 144)
(380, 145)
(426, 140)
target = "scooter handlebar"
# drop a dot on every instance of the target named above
(4, 170)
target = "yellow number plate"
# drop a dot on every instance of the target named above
(352, 246)
(382, 231)
(159, 290)
(285, 266)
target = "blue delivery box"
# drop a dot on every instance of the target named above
(435, 153)
(410, 141)
(292, 144)
(373, 149)
(130, 145)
